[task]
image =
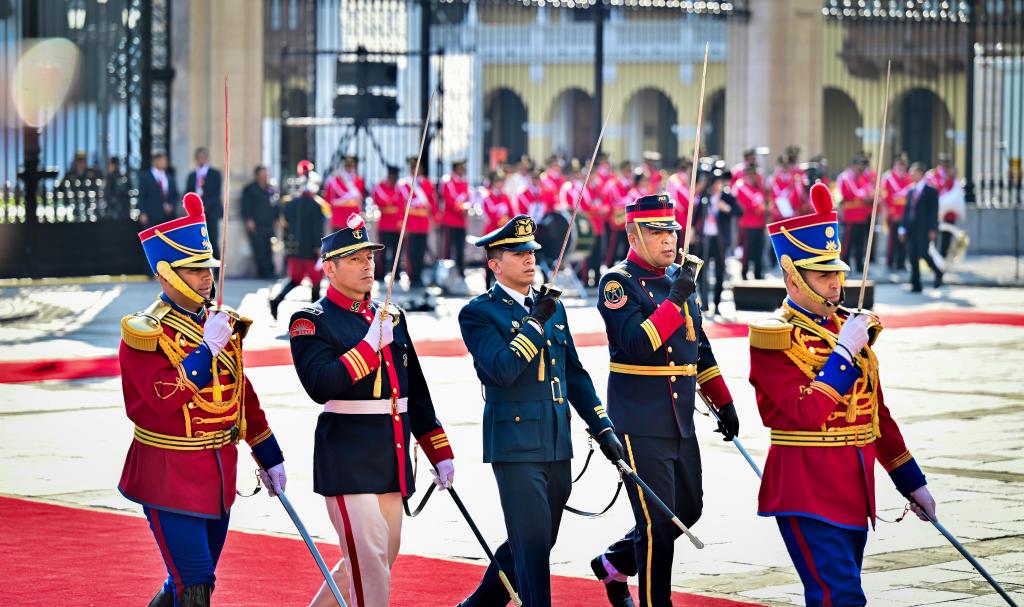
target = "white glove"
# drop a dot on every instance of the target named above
(854, 335)
(444, 474)
(274, 479)
(217, 332)
(374, 334)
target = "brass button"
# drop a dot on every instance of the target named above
(673, 378)
(394, 390)
(669, 349)
(517, 419)
(398, 418)
(643, 283)
(195, 372)
(671, 363)
(398, 445)
(811, 349)
(191, 405)
(553, 361)
(557, 380)
(386, 363)
(549, 342)
(821, 374)
(560, 400)
(842, 367)
(651, 294)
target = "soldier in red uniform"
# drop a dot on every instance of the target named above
(391, 206)
(816, 381)
(455, 194)
(345, 191)
(751, 198)
(786, 189)
(896, 185)
(423, 209)
(856, 193)
(551, 181)
(679, 192)
(652, 166)
(186, 392)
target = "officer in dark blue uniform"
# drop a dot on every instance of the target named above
(659, 357)
(525, 358)
(366, 374)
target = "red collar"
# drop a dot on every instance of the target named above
(346, 303)
(635, 258)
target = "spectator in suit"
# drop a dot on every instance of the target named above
(920, 226)
(712, 222)
(115, 190)
(158, 195)
(259, 210)
(209, 184)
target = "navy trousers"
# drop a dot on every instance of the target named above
(828, 559)
(189, 545)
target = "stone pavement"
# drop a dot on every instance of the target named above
(956, 390)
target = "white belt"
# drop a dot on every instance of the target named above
(365, 407)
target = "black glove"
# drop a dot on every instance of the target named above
(610, 446)
(728, 422)
(545, 305)
(682, 286)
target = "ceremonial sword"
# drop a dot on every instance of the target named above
(735, 439)
(487, 549)
(878, 184)
(687, 231)
(312, 548)
(643, 488)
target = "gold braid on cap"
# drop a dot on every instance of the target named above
(167, 273)
(791, 270)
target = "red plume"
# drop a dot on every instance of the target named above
(193, 204)
(821, 198)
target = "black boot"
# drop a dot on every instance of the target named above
(196, 596)
(938, 280)
(618, 592)
(162, 599)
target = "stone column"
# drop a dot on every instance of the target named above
(214, 39)
(774, 79)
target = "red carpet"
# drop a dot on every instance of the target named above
(12, 372)
(54, 555)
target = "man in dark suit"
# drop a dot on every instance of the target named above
(526, 360)
(920, 225)
(158, 193)
(208, 183)
(259, 210)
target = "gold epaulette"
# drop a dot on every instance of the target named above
(771, 334)
(141, 331)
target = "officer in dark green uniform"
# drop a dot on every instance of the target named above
(525, 358)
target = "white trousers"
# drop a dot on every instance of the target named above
(369, 530)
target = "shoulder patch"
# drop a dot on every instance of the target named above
(614, 295)
(771, 334)
(300, 327)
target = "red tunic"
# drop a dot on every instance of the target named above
(615, 196)
(856, 194)
(751, 198)
(550, 186)
(167, 408)
(499, 209)
(804, 392)
(391, 205)
(455, 193)
(345, 193)
(679, 193)
(424, 204)
(896, 188)
(786, 187)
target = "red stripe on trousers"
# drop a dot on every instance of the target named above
(350, 541)
(826, 595)
(179, 586)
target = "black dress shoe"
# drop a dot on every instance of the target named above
(938, 280)
(618, 592)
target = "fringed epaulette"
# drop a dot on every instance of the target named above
(141, 331)
(773, 333)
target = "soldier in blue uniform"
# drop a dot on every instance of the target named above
(368, 378)
(525, 358)
(659, 357)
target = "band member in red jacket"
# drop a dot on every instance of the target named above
(345, 191)
(896, 185)
(455, 195)
(751, 198)
(855, 189)
(187, 394)
(423, 210)
(816, 380)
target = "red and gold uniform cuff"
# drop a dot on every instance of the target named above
(712, 384)
(662, 324)
(435, 446)
(360, 361)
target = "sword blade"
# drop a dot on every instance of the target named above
(312, 548)
(696, 154)
(735, 440)
(645, 489)
(487, 549)
(970, 559)
(878, 184)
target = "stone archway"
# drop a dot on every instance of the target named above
(924, 120)
(572, 124)
(843, 128)
(505, 124)
(651, 120)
